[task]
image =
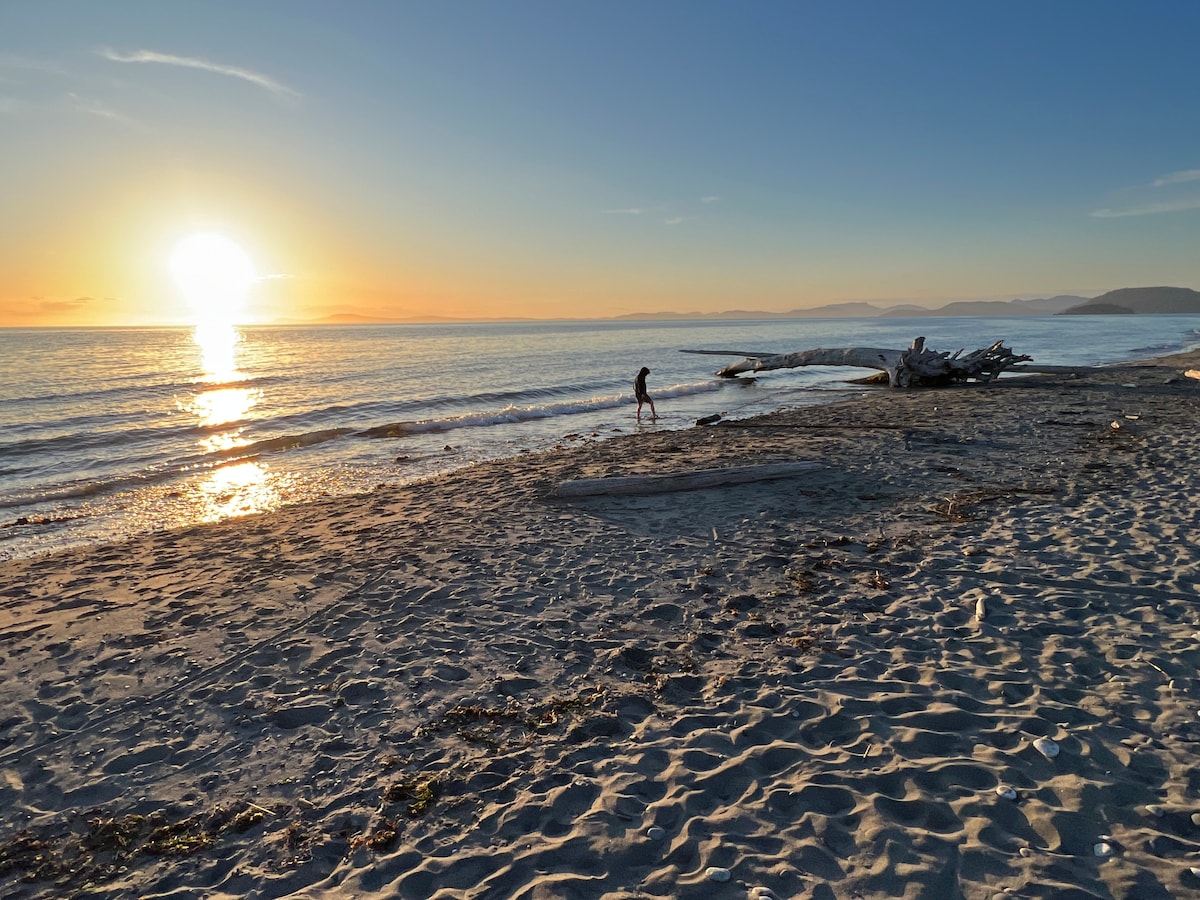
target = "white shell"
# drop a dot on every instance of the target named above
(980, 609)
(1046, 747)
(1006, 792)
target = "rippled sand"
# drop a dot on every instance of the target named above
(826, 685)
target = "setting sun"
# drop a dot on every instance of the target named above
(214, 275)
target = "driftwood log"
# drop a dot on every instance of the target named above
(917, 366)
(682, 481)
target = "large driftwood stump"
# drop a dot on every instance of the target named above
(915, 367)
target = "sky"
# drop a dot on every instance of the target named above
(551, 159)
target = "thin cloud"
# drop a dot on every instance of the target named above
(1178, 178)
(1149, 209)
(61, 306)
(149, 56)
(709, 199)
(1158, 197)
(624, 212)
(96, 108)
(674, 220)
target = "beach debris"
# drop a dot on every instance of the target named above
(1005, 792)
(762, 893)
(717, 873)
(655, 833)
(1103, 849)
(709, 420)
(917, 366)
(981, 609)
(1046, 747)
(416, 792)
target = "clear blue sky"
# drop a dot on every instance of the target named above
(569, 158)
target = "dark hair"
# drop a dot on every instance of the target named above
(644, 371)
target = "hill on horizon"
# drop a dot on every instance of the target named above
(1140, 301)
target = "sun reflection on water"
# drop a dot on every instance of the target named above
(240, 488)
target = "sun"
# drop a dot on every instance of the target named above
(214, 274)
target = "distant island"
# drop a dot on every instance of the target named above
(1125, 301)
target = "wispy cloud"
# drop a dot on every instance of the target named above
(709, 199)
(256, 78)
(96, 108)
(1149, 209)
(1178, 178)
(1162, 195)
(63, 306)
(674, 220)
(633, 211)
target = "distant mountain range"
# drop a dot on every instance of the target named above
(1126, 301)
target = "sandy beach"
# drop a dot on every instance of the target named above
(956, 657)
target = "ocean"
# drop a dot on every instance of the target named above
(108, 433)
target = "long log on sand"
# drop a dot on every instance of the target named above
(915, 367)
(682, 481)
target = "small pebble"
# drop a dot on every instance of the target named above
(716, 873)
(1196, 818)
(1025, 851)
(1005, 792)
(1103, 849)
(1046, 747)
(1155, 810)
(655, 833)
(762, 893)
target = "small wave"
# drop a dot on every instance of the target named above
(511, 414)
(81, 490)
(285, 442)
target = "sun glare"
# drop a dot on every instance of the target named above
(214, 275)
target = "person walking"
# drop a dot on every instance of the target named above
(643, 396)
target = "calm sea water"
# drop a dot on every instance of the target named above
(107, 433)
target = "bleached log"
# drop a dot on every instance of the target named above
(915, 367)
(682, 481)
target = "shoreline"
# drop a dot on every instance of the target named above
(471, 687)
